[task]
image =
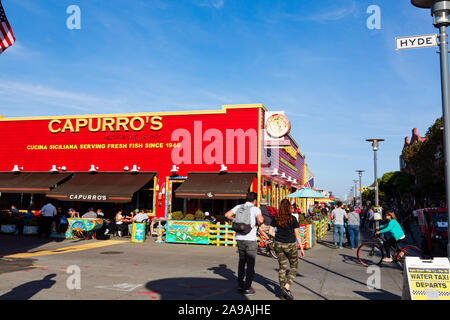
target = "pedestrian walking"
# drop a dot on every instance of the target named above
(286, 246)
(338, 215)
(264, 228)
(371, 219)
(246, 216)
(48, 213)
(353, 228)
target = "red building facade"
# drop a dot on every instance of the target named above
(169, 148)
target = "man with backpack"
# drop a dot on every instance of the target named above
(245, 217)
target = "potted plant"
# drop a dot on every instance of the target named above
(177, 215)
(7, 225)
(31, 227)
(199, 215)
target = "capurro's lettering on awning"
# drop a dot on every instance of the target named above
(87, 197)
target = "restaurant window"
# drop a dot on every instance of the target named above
(143, 198)
(177, 203)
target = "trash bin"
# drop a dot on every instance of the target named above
(138, 232)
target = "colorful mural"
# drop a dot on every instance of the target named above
(196, 232)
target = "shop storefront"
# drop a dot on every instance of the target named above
(160, 162)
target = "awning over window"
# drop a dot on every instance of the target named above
(215, 186)
(30, 182)
(101, 187)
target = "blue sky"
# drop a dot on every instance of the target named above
(338, 81)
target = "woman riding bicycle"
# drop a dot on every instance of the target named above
(396, 231)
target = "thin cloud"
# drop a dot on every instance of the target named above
(34, 94)
(326, 15)
(218, 4)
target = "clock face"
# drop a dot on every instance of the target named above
(277, 125)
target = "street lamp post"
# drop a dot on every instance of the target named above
(356, 191)
(375, 149)
(440, 10)
(360, 172)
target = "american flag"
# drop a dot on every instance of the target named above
(6, 35)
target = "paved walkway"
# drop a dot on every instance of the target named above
(179, 272)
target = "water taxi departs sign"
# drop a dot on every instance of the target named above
(416, 42)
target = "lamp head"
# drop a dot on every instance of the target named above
(440, 10)
(375, 143)
(360, 172)
(423, 3)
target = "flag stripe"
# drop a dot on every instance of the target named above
(10, 35)
(6, 35)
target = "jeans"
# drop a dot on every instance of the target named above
(338, 228)
(246, 268)
(353, 231)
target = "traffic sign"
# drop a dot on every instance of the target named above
(416, 42)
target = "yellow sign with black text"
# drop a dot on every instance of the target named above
(428, 279)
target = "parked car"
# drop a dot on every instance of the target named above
(433, 223)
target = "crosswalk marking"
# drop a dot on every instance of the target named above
(87, 246)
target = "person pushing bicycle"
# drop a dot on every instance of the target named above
(396, 231)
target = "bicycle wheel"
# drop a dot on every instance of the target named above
(408, 251)
(271, 250)
(370, 253)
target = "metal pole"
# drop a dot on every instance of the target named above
(377, 222)
(360, 192)
(376, 178)
(443, 39)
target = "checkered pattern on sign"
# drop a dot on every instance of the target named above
(419, 292)
(424, 293)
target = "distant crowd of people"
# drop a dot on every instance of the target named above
(51, 218)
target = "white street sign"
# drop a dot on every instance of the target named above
(416, 42)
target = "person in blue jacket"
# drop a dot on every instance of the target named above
(396, 231)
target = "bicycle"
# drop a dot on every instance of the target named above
(372, 252)
(267, 244)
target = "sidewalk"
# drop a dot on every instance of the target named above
(153, 271)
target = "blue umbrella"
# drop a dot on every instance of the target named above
(305, 193)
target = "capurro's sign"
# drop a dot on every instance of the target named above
(87, 197)
(197, 141)
(123, 124)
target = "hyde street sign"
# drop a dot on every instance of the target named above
(416, 42)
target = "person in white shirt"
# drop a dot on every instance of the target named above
(138, 218)
(120, 227)
(338, 216)
(48, 212)
(247, 243)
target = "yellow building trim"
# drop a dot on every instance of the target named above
(142, 114)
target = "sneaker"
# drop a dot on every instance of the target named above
(249, 292)
(287, 294)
